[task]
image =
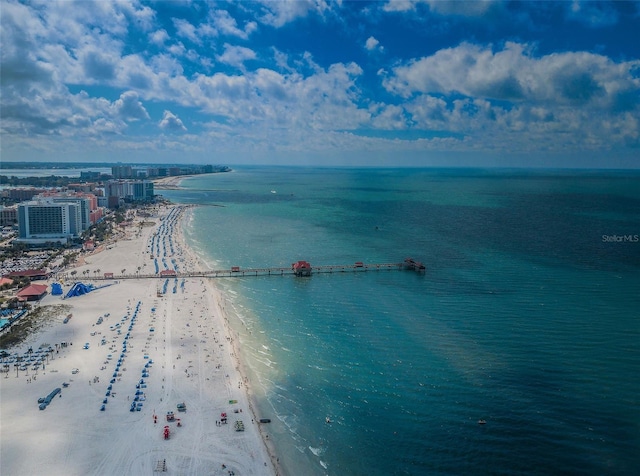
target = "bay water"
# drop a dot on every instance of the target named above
(517, 352)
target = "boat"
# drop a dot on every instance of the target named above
(482, 422)
(327, 419)
(265, 420)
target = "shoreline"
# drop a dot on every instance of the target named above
(220, 298)
(184, 340)
(169, 183)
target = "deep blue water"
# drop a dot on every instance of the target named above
(528, 316)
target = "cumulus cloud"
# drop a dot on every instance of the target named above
(372, 44)
(186, 30)
(129, 108)
(98, 66)
(236, 55)
(514, 74)
(159, 37)
(280, 13)
(227, 25)
(482, 96)
(442, 7)
(323, 100)
(400, 5)
(171, 122)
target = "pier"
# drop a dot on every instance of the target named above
(299, 269)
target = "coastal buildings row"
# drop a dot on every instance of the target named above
(59, 216)
(131, 172)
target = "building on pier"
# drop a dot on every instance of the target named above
(301, 268)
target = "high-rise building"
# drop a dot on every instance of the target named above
(87, 202)
(128, 190)
(122, 171)
(46, 220)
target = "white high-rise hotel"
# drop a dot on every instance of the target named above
(56, 219)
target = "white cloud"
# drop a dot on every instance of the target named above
(227, 25)
(98, 66)
(442, 7)
(280, 13)
(171, 122)
(371, 44)
(400, 5)
(129, 108)
(389, 117)
(186, 30)
(102, 126)
(514, 74)
(159, 37)
(507, 98)
(236, 55)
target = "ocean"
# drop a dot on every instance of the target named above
(527, 318)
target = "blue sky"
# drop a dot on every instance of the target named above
(318, 82)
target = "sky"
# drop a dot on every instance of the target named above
(320, 82)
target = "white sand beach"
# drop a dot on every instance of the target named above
(179, 339)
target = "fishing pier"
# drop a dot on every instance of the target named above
(299, 269)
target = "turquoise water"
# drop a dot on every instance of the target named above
(527, 317)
